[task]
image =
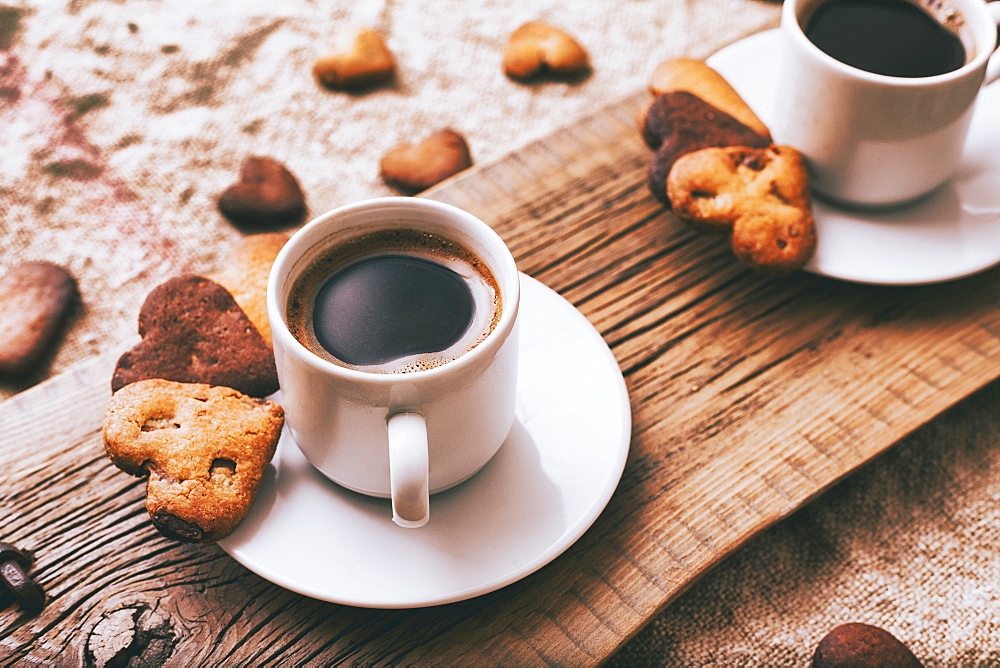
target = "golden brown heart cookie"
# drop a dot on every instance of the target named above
(759, 197)
(539, 48)
(194, 332)
(203, 448)
(412, 168)
(267, 196)
(359, 59)
(245, 273)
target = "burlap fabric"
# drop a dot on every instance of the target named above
(909, 542)
(121, 122)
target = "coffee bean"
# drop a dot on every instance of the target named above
(14, 566)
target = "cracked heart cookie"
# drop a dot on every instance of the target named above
(759, 197)
(204, 450)
(193, 331)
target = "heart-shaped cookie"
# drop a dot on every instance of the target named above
(359, 59)
(245, 273)
(204, 449)
(539, 48)
(35, 301)
(266, 196)
(194, 332)
(412, 168)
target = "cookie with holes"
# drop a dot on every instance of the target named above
(759, 197)
(203, 448)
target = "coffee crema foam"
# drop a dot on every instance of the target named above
(397, 242)
(952, 20)
(949, 17)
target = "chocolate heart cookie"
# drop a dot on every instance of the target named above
(267, 196)
(194, 332)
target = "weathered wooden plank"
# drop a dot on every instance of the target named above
(750, 396)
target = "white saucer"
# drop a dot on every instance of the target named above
(550, 480)
(951, 233)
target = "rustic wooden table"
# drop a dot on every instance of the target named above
(750, 396)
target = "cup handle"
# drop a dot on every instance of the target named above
(408, 469)
(993, 68)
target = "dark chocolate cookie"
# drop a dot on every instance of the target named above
(193, 331)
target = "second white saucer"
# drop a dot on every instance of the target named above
(551, 479)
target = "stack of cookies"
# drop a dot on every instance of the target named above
(717, 167)
(188, 408)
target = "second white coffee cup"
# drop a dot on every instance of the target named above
(402, 435)
(870, 139)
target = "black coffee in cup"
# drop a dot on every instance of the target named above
(394, 301)
(899, 38)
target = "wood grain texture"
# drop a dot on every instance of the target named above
(750, 396)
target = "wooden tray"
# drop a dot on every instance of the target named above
(750, 396)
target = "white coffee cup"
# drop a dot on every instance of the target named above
(398, 435)
(874, 140)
